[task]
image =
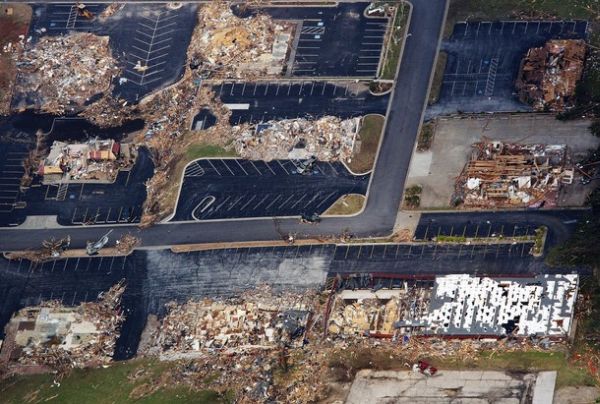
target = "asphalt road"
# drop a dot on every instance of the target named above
(385, 189)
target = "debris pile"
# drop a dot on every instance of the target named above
(375, 314)
(548, 75)
(62, 71)
(52, 335)
(251, 322)
(97, 159)
(328, 139)
(51, 248)
(168, 135)
(510, 174)
(226, 46)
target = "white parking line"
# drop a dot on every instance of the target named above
(261, 201)
(222, 203)
(214, 168)
(238, 163)
(225, 164)
(247, 203)
(273, 201)
(259, 172)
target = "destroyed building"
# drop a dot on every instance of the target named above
(459, 305)
(62, 71)
(96, 159)
(53, 337)
(548, 75)
(250, 322)
(227, 46)
(328, 139)
(510, 174)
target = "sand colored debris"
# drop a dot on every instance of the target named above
(57, 337)
(328, 139)
(59, 71)
(548, 74)
(510, 174)
(224, 45)
(259, 320)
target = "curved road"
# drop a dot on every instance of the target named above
(404, 117)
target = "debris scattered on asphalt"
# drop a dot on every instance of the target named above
(226, 46)
(548, 75)
(62, 71)
(328, 139)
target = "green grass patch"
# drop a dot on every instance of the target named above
(346, 205)
(395, 42)
(203, 150)
(369, 135)
(438, 78)
(450, 239)
(111, 385)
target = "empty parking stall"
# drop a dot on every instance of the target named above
(255, 102)
(233, 188)
(484, 58)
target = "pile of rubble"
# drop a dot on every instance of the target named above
(238, 325)
(500, 174)
(58, 337)
(96, 159)
(226, 46)
(548, 75)
(375, 314)
(168, 136)
(62, 71)
(328, 139)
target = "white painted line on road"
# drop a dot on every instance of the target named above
(247, 203)
(259, 172)
(238, 163)
(229, 169)
(272, 202)
(261, 201)
(214, 168)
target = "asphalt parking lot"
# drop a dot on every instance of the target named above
(427, 260)
(11, 172)
(63, 18)
(82, 204)
(262, 101)
(155, 38)
(334, 41)
(233, 188)
(151, 36)
(483, 62)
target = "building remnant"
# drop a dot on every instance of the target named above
(460, 305)
(65, 71)
(54, 337)
(259, 320)
(548, 74)
(227, 46)
(328, 139)
(511, 174)
(96, 159)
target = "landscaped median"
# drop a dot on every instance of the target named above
(395, 41)
(538, 239)
(367, 144)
